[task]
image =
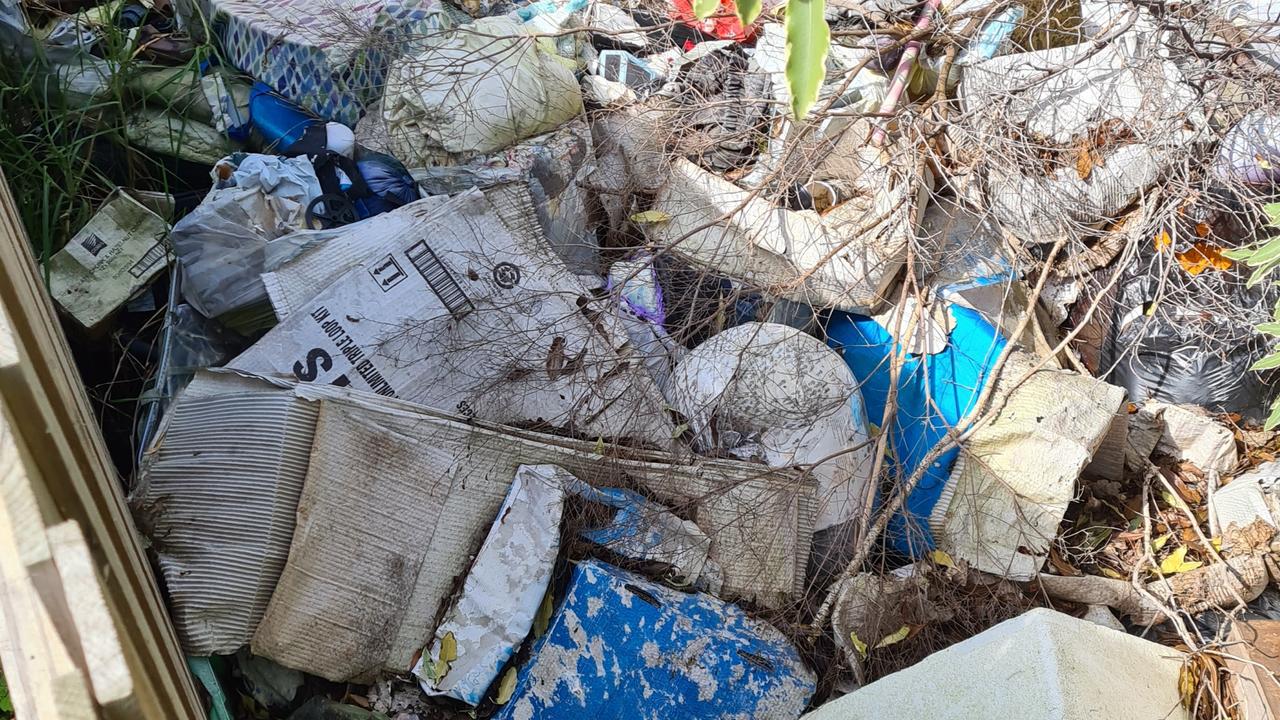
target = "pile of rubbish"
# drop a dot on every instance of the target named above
(532, 360)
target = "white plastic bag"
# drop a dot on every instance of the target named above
(481, 88)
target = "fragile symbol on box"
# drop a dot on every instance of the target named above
(387, 273)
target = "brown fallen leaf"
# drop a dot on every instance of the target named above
(1061, 566)
(1085, 159)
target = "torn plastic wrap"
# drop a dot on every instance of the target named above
(1181, 339)
(222, 242)
(622, 646)
(1250, 152)
(477, 90)
(644, 530)
(456, 309)
(503, 589)
(222, 554)
(553, 167)
(638, 297)
(168, 133)
(1257, 18)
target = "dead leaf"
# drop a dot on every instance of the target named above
(543, 617)
(448, 647)
(556, 358)
(858, 645)
(1177, 562)
(1158, 543)
(1201, 257)
(1062, 566)
(895, 637)
(650, 216)
(1189, 494)
(1163, 241)
(506, 687)
(940, 557)
(1084, 160)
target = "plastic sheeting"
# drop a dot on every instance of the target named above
(1167, 342)
(222, 243)
(476, 90)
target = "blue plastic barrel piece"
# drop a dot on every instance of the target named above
(934, 392)
(621, 646)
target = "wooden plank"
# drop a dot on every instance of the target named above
(43, 389)
(45, 678)
(104, 658)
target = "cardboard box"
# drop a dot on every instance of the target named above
(116, 254)
(396, 499)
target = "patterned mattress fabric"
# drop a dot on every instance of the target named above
(330, 56)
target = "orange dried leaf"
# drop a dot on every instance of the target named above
(1163, 240)
(1201, 257)
(1084, 161)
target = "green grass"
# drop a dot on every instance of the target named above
(63, 154)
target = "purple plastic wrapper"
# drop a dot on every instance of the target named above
(1250, 153)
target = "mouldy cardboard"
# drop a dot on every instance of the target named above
(845, 258)
(1041, 665)
(118, 252)
(621, 646)
(397, 498)
(1014, 478)
(463, 306)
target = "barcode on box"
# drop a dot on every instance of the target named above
(424, 260)
(146, 262)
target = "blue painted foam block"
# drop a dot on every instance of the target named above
(621, 646)
(934, 394)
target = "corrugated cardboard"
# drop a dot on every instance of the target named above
(397, 498)
(217, 496)
(113, 256)
(463, 306)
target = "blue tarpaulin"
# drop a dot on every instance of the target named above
(934, 392)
